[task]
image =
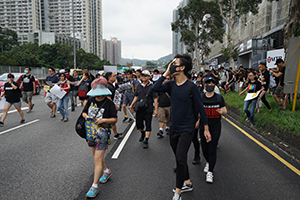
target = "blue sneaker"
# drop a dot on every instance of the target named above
(105, 177)
(92, 192)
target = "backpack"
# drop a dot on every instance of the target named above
(272, 82)
(65, 85)
(83, 90)
(190, 91)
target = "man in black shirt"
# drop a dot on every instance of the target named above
(265, 80)
(144, 111)
(28, 84)
(87, 70)
(279, 94)
(164, 111)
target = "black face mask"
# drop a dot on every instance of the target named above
(210, 88)
(173, 69)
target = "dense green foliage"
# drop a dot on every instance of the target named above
(56, 55)
(285, 120)
(8, 39)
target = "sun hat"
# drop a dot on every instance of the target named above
(99, 88)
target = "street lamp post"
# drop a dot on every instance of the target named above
(74, 42)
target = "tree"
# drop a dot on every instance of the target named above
(230, 11)
(199, 24)
(149, 63)
(8, 39)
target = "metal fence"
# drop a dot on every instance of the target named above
(39, 72)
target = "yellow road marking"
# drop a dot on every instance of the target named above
(294, 169)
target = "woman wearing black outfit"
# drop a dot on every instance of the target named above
(265, 80)
(214, 105)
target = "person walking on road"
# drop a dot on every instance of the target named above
(265, 80)
(12, 94)
(143, 101)
(50, 98)
(103, 112)
(253, 87)
(76, 79)
(84, 87)
(182, 117)
(214, 105)
(164, 111)
(62, 106)
(111, 79)
(28, 83)
(71, 94)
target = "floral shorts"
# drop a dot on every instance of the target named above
(99, 146)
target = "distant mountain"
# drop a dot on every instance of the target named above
(137, 62)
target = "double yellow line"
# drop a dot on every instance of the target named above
(294, 169)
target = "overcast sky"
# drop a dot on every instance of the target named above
(143, 26)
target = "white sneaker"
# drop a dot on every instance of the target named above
(209, 177)
(206, 168)
(176, 196)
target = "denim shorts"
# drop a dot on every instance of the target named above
(14, 104)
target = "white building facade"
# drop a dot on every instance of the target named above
(112, 50)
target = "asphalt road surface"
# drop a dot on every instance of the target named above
(46, 159)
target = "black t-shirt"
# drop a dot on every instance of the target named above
(281, 78)
(12, 95)
(107, 111)
(112, 89)
(27, 82)
(92, 77)
(164, 100)
(230, 77)
(141, 92)
(71, 79)
(211, 105)
(254, 87)
(266, 76)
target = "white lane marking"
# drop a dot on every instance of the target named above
(121, 146)
(19, 126)
(13, 111)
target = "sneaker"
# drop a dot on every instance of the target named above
(1, 124)
(247, 119)
(281, 108)
(209, 177)
(65, 120)
(92, 192)
(160, 134)
(22, 121)
(145, 145)
(206, 168)
(62, 118)
(176, 196)
(142, 137)
(167, 131)
(73, 109)
(130, 120)
(186, 188)
(105, 177)
(118, 136)
(251, 125)
(125, 118)
(174, 169)
(196, 160)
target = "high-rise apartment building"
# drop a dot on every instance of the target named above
(57, 17)
(112, 50)
(177, 46)
(23, 16)
(27, 16)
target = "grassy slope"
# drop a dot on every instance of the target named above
(286, 120)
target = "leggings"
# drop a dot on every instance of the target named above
(180, 143)
(263, 99)
(196, 143)
(210, 149)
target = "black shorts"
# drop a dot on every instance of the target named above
(141, 117)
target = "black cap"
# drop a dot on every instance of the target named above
(67, 70)
(10, 75)
(279, 60)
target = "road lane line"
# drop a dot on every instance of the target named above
(122, 144)
(294, 169)
(12, 111)
(19, 126)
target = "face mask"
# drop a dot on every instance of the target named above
(173, 69)
(25, 71)
(210, 88)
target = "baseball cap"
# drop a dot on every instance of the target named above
(146, 72)
(209, 79)
(10, 75)
(279, 60)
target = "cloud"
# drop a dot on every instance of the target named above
(144, 27)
